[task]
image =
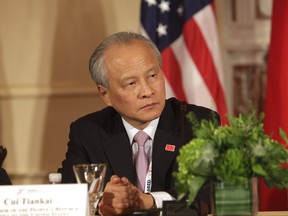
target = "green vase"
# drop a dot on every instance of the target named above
(235, 200)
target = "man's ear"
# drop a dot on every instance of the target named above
(104, 93)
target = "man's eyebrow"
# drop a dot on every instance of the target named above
(151, 68)
(127, 78)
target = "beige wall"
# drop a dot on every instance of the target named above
(44, 81)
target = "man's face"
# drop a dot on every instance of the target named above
(136, 83)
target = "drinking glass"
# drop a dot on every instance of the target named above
(93, 175)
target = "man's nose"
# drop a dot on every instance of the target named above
(146, 89)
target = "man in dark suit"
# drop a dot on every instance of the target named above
(4, 178)
(126, 68)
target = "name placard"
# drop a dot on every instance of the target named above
(43, 200)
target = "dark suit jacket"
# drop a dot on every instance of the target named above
(100, 137)
(4, 178)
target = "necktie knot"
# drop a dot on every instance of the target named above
(141, 137)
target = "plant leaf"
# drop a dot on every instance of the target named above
(194, 187)
(258, 169)
(283, 135)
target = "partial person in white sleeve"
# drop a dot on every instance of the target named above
(126, 68)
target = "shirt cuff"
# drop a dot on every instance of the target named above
(161, 196)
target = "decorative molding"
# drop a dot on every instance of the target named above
(263, 9)
(246, 47)
(47, 90)
(249, 85)
(233, 11)
(242, 28)
(240, 10)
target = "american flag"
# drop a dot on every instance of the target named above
(185, 32)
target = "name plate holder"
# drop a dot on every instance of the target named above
(44, 200)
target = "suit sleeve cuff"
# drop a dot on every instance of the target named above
(161, 196)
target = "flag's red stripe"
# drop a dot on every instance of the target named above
(201, 55)
(172, 73)
(276, 103)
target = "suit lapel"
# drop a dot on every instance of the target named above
(163, 156)
(165, 147)
(119, 152)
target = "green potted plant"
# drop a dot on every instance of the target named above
(234, 156)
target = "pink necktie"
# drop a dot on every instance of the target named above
(141, 162)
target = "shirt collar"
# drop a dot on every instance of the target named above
(150, 129)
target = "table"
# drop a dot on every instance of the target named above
(273, 213)
(266, 213)
(179, 209)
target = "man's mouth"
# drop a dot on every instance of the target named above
(150, 105)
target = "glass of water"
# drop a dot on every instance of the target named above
(94, 176)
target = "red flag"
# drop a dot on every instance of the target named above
(276, 102)
(186, 34)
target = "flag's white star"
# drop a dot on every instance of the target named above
(151, 2)
(180, 10)
(164, 6)
(161, 29)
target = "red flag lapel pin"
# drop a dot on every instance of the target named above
(170, 147)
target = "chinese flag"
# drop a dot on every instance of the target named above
(276, 102)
